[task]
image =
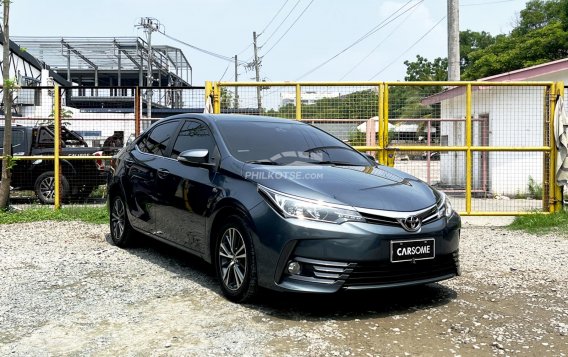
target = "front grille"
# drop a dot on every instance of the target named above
(382, 220)
(385, 219)
(366, 274)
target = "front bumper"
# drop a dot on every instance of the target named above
(349, 256)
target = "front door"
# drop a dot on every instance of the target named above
(186, 191)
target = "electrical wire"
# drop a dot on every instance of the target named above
(270, 22)
(408, 49)
(226, 69)
(210, 53)
(379, 45)
(281, 23)
(381, 25)
(289, 28)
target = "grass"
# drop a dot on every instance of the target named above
(98, 215)
(542, 223)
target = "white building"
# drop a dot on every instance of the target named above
(308, 97)
(502, 116)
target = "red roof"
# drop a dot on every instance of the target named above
(518, 75)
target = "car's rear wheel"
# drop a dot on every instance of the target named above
(45, 187)
(235, 260)
(121, 232)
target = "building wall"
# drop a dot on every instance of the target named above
(502, 116)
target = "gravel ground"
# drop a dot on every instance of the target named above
(66, 291)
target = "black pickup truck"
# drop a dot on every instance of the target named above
(79, 177)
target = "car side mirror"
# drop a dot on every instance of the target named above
(196, 157)
(371, 157)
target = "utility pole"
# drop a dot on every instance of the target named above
(149, 24)
(236, 87)
(256, 67)
(453, 40)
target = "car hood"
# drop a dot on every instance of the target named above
(382, 188)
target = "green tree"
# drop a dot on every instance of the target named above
(540, 35)
(538, 14)
(509, 53)
(424, 70)
(471, 41)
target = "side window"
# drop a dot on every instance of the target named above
(17, 141)
(193, 135)
(158, 139)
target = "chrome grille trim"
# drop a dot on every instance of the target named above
(392, 218)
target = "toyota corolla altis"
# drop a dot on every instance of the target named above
(280, 204)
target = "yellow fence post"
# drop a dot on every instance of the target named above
(555, 191)
(385, 137)
(380, 116)
(298, 102)
(469, 157)
(217, 99)
(57, 144)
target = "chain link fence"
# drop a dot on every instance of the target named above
(487, 145)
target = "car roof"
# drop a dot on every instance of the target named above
(233, 117)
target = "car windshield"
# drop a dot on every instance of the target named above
(281, 143)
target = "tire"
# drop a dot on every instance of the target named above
(235, 261)
(45, 187)
(121, 232)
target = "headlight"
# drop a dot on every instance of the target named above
(445, 206)
(301, 208)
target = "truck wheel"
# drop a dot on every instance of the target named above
(45, 187)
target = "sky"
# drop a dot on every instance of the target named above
(299, 40)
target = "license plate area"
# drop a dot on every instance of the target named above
(411, 250)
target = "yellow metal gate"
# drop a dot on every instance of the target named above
(489, 145)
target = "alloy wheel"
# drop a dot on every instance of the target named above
(47, 188)
(118, 218)
(232, 259)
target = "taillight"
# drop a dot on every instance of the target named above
(100, 163)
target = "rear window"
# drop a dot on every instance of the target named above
(18, 141)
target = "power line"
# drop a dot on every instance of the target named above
(246, 48)
(379, 45)
(226, 69)
(270, 22)
(281, 23)
(408, 49)
(293, 23)
(210, 53)
(381, 25)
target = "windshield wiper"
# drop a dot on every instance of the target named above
(338, 163)
(262, 162)
(322, 148)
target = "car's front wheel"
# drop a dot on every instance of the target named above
(235, 260)
(121, 231)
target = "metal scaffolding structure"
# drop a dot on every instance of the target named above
(109, 61)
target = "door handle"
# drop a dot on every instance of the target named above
(163, 173)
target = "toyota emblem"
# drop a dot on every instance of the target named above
(411, 223)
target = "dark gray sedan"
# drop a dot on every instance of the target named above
(279, 204)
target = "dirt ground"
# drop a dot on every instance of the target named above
(82, 296)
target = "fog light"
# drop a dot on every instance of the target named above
(294, 268)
